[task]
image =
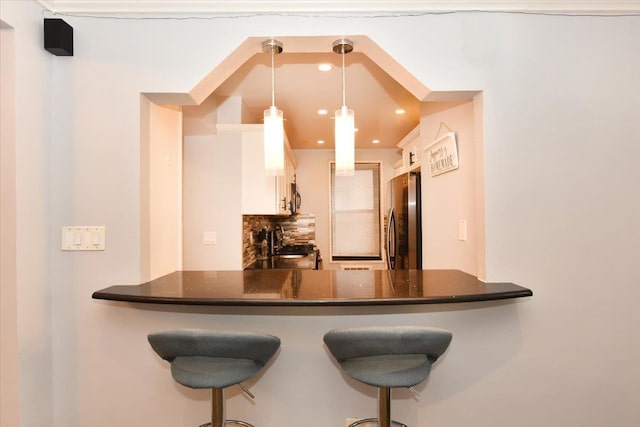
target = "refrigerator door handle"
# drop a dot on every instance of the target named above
(391, 240)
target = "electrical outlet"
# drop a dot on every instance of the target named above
(210, 238)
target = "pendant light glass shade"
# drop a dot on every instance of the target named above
(273, 142)
(273, 121)
(344, 121)
(345, 134)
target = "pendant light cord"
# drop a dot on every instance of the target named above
(344, 97)
(273, 79)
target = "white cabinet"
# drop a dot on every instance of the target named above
(411, 147)
(263, 195)
(283, 183)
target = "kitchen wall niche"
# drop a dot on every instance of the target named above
(210, 198)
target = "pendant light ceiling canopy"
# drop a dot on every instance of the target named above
(342, 46)
(273, 120)
(272, 46)
(344, 120)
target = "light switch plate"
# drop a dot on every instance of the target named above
(83, 238)
(462, 229)
(210, 238)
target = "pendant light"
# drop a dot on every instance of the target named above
(273, 120)
(344, 121)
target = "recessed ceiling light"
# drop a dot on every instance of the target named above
(376, 141)
(322, 112)
(320, 141)
(400, 111)
(324, 67)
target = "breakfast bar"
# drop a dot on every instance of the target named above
(300, 306)
(313, 288)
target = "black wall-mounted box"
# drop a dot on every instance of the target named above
(58, 37)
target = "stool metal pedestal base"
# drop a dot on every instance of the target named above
(217, 411)
(384, 411)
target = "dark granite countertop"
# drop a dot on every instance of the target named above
(313, 288)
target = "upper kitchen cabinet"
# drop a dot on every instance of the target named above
(261, 194)
(411, 147)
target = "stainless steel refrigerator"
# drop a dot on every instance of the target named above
(404, 229)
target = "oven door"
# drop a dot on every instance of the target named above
(295, 261)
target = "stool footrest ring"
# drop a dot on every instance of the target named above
(374, 420)
(237, 422)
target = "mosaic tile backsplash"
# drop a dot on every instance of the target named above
(299, 229)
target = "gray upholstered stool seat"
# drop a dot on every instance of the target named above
(214, 359)
(387, 357)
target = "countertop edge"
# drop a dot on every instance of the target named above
(250, 302)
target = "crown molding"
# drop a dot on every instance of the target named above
(219, 7)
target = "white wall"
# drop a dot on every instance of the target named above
(32, 95)
(9, 366)
(561, 97)
(480, 196)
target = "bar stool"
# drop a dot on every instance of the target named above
(214, 359)
(387, 357)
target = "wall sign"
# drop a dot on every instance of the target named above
(443, 154)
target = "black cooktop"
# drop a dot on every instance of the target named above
(295, 250)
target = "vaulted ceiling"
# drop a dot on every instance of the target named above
(301, 90)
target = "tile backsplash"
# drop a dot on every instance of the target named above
(299, 229)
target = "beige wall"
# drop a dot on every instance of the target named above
(212, 196)
(163, 221)
(258, 190)
(212, 201)
(9, 369)
(450, 197)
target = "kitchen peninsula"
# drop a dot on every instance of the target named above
(313, 288)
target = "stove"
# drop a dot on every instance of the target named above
(295, 257)
(296, 250)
